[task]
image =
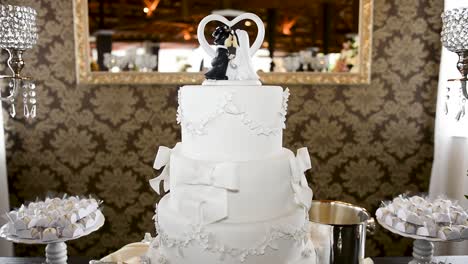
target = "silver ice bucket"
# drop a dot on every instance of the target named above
(338, 231)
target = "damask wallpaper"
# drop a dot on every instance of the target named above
(368, 142)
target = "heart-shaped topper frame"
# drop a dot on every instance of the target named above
(212, 52)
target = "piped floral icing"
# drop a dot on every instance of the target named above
(197, 234)
(227, 106)
(284, 107)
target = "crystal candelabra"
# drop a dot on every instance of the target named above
(455, 38)
(18, 32)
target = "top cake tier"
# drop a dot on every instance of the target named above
(232, 123)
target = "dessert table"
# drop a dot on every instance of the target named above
(85, 260)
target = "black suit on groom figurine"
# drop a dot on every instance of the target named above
(221, 61)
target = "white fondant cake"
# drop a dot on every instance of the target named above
(278, 240)
(236, 195)
(234, 117)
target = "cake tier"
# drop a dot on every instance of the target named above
(282, 240)
(208, 191)
(232, 123)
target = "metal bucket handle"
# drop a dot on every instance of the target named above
(370, 226)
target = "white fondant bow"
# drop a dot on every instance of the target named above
(203, 204)
(222, 175)
(299, 164)
(163, 158)
(205, 188)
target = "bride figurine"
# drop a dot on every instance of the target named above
(240, 66)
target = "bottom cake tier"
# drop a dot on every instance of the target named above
(284, 240)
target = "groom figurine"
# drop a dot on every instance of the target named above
(221, 61)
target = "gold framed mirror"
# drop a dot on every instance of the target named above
(297, 56)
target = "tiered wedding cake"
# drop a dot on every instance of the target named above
(236, 195)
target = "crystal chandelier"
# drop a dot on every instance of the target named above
(18, 32)
(455, 38)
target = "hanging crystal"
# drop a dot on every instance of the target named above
(12, 108)
(29, 99)
(457, 102)
(12, 88)
(447, 101)
(33, 111)
(463, 106)
(25, 101)
(26, 111)
(32, 99)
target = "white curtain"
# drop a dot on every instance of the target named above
(6, 248)
(450, 167)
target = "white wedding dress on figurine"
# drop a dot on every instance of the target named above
(240, 68)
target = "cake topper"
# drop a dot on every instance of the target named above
(232, 59)
(222, 38)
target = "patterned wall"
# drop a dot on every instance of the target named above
(368, 142)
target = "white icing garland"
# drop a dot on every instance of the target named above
(227, 106)
(284, 107)
(208, 242)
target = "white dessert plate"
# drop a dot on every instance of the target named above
(414, 236)
(4, 233)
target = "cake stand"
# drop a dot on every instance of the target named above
(56, 250)
(423, 247)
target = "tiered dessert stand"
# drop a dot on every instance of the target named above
(56, 250)
(423, 247)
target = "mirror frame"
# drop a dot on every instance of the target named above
(86, 76)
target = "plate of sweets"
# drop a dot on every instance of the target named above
(420, 217)
(53, 220)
